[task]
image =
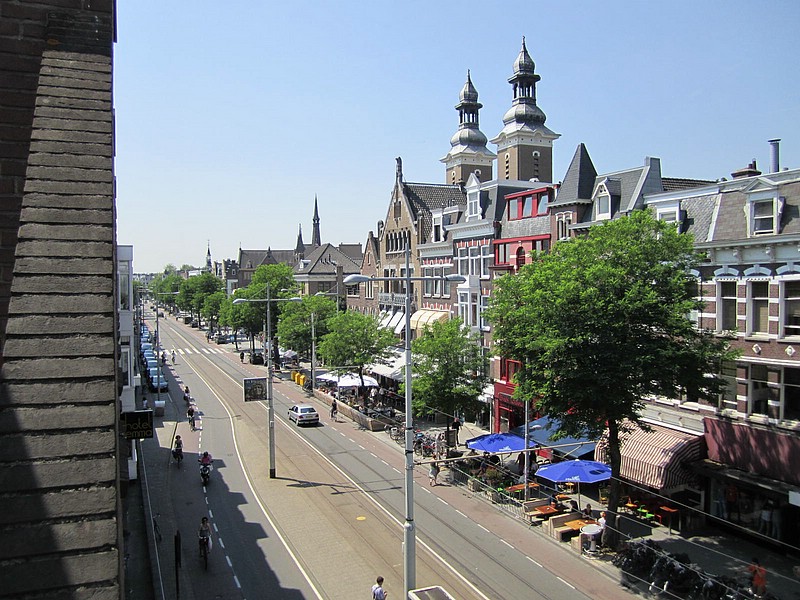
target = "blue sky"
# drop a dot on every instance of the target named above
(232, 116)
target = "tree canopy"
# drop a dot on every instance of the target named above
(450, 369)
(294, 328)
(354, 340)
(601, 323)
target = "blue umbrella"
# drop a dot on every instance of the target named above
(497, 442)
(575, 471)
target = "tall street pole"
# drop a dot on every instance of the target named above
(313, 355)
(409, 534)
(270, 402)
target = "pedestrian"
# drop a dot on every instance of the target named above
(173, 356)
(433, 473)
(378, 593)
(190, 414)
(456, 425)
(241, 357)
(602, 523)
(441, 450)
(758, 578)
(334, 409)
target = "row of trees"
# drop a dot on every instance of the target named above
(599, 324)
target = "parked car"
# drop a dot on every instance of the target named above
(195, 324)
(257, 357)
(151, 362)
(222, 338)
(153, 376)
(304, 414)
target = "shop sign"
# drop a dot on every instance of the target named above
(137, 425)
(255, 389)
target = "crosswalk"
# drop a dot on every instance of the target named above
(192, 350)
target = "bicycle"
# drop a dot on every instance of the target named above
(204, 551)
(156, 530)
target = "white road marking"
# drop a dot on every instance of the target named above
(482, 527)
(507, 544)
(534, 562)
(236, 581)
(221, 543)
(228, 558)
(565, 582)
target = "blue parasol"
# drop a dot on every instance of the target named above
(575, 471)
(497, 442)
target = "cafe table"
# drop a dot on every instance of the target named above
(520, 487)
(591, 531)
(578, 524)
(546, 510)
(669, 511)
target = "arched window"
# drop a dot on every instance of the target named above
(520, 257)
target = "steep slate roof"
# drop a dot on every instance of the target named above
(674, 184)
(425, 197)
(323, 260)
(699, 214)
(59, 471)
(250, 259)
(352, 250)
(578, 183)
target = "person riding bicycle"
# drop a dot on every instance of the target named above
(334, 409)
(204, 534)
(190, 414)
(177, 451)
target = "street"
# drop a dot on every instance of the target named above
(332, 520)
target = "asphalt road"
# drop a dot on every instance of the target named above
(332, 520)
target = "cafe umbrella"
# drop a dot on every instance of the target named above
(497, 442)
(575, 471)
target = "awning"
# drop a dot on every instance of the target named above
(385, 320)
(398, 329)
(393, 370)
(424, 317)
(396, 318)
(539, 432)
(657, 458)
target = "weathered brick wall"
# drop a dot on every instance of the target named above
(59, 442)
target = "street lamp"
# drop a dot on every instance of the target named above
(268, 354)
(409, 538)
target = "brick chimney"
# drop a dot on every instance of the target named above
(749, 171)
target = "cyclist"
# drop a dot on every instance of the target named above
(173, 356)
(204, 535)
(334, 409)
(190, 414)
(177, 451)
(206, 459)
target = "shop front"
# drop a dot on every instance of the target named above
(752, 480)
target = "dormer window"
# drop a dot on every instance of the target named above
(437, 232)
(763, 217)
(603, 207)
(473, 205)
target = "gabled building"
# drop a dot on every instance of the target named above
(324, 268)
(749, 228)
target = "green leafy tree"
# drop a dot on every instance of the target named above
(450, 370)
(354, 340)
(193, 292)
(601, 323)
(294, 328)
(212, 305)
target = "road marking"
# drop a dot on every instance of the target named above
(565, 582)
(482, 527)
(210, 514)
(507, 544)
(228, 558)
(462, 514)
(362, 447)
(221, 544)
(534, 562)
(236, 581)
(443, 501)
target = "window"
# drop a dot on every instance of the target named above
(758, 309)
(604, 207)
(520, 257)
(500, 254)
(668, 216)
(563, 221)
(473, 205)
(763, 217)
(474, 260)
(483, 323)
(124, 282)
(791, 308)
(463, 262)
(726, 306)
(463, 306)
(446, 282)
(759, 390)
(791, 394)
(542, 204)
(727, 397)
(427, 288)
(486, 260)
(369, 290)
(437, 234)
(509, 368)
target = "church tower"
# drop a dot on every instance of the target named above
(300, 247)
(525, 145)
(209, 267)
(315, 236)
(468, 152)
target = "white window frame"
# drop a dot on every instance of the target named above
(789, 330)
(563, 221)
(463, 261)
(437, 233)
(473, 205)
(603, 214)
(487, 259)
(751, 307)
(474, 260)
(721, 301)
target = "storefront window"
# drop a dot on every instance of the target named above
(791, 394)
(759, 392)
(746, 507)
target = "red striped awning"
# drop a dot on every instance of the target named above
(656, 458)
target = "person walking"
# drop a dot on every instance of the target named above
(456, 425)
(758, 578)
(378, 593)
(241, 357)
(433, 473)
(173, 356)
(334, 409)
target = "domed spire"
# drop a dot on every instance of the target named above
(524, 63)
(468, 152)
(468, 92)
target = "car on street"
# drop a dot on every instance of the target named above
(155, 375)
(304, 414)
(152, 362)
(257, 357)
(221, 338)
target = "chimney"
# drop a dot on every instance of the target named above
(749, 171)
(775, 155)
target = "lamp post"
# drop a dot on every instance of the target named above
(409, 535)
(268, 355)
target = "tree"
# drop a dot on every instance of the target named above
(354, 341)
(194, 291)
(212, 305)
(601, 323)
(294, 328)
(450, 370)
